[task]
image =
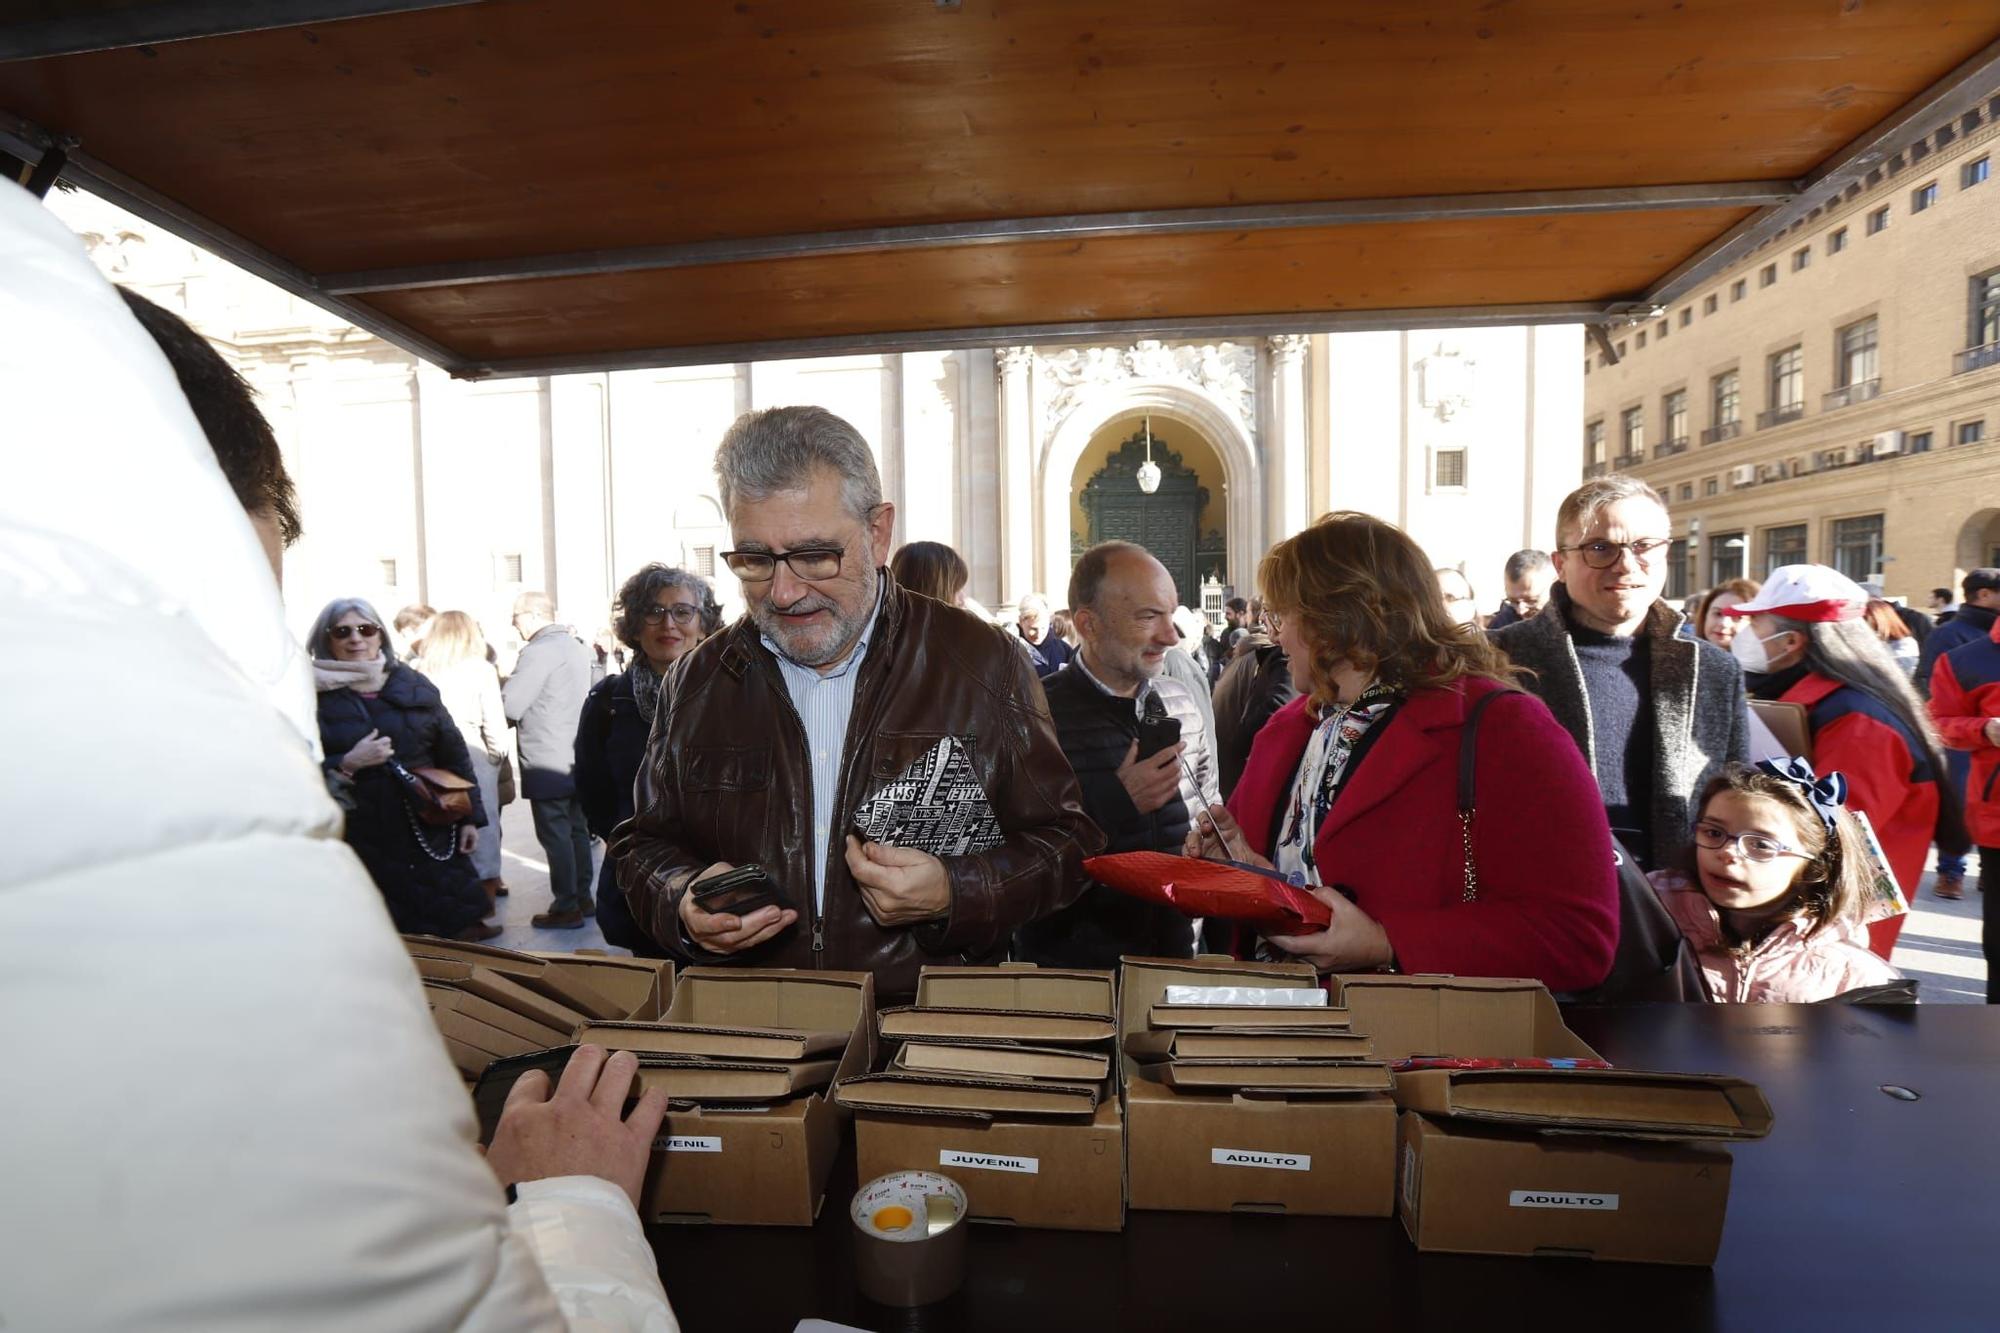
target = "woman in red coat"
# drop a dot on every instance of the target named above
(1806, 642)
(1353, 787)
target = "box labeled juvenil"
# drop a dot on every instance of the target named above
(1276, 1116)
(1002, 1078)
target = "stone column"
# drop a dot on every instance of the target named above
(1287, 438)
(1017, 472)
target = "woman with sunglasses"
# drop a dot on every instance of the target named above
(376, 715)
(662, 614)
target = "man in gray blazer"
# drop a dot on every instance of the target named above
(544, 699)
(1655, 715)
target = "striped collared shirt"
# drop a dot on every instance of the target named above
(825, 703)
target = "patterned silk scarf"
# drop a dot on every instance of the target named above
(1321, 772)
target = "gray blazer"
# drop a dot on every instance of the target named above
(544, 699)
(1699, 711)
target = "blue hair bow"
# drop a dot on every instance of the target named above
(1828, 794)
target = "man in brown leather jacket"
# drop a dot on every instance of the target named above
(772, 734)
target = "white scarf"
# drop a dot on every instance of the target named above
(361, 677)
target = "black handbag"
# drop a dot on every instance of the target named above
(1653, 961)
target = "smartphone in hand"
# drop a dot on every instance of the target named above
(1157, 734)
(739, 892)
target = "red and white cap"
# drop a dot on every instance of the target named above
(1806, 592)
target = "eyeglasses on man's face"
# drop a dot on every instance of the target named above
(349, 631)
(1603, 555)
(1750, 846)
(814, 564)
(681, 613)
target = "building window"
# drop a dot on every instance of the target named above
(1620, 349)
(1918, 443)
(1593, 443)
(1923, 197)
(1677, 567)
(1975, 171)
(1801, 257)
(1739, 289)
(1878, 220)
(1727, 398)
(1784, 546)
(1660, 330)
(1687, 490)
(1687, 315)
(1709, 304)
(1725, 557)
(1448, 469)
(1971, 432)
(1768, 276)
(1632, 432)
(388, 573)
(1985, 329)
(704, 561)
(1710, 486)
(1857, 546)
(1788, 379)
(1858, 353)
(1836, 240)
(508, 568)
(1674, 411)
(1642, 340)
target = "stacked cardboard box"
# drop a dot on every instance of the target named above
(492, 1003)
(1612, 1164)
(746, 1057)
(1251, 1107)
(1004, 1079)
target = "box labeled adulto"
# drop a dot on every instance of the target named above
(1328, 1150)
(1005, 1082)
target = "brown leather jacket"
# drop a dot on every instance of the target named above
(726, 778)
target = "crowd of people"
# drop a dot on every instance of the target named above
(918, 784)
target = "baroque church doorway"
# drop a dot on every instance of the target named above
(1182, 521)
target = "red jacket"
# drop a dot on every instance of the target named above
(1889, 779)
(1965, 691)
(1548, 902)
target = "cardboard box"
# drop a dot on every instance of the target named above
(1277, 1075)
(567, 986)
(502, 990)
(642, 988)
(1029, 1146)
(1469, 1188)
(718, 1043)
(1624, 1102)
(1247, 1044)
(1231, 1150)
(1215, 1016)
(1484, 1017)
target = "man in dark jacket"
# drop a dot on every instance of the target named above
(1255, 685)
(1123, 603)
(543, 699)
(841, 703)
(1655, 715)
(1972, 623)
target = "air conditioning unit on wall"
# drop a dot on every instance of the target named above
(1889, 442)
(1744, 475)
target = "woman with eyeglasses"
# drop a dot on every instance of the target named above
(663, 613)
(377, 720)
(1776, 895)
(1352, 789)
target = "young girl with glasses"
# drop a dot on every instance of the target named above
(1775, 902)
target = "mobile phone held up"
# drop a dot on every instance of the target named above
(739, 892)
(1157, 734)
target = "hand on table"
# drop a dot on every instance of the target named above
(581, 1130)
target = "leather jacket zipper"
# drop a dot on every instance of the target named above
(813, 913)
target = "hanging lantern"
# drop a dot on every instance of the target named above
(1149, 471)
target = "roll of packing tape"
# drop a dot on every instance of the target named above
(909, 1238)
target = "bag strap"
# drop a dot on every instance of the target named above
(1468, 749)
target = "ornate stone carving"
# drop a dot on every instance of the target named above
(1224, 370)
(1288, 347)
(1014, 359)
(1444, 381)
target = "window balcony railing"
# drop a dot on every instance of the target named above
(1629, 459)
(1975, 358)
(1669, 448)
(1778, 416)
(1595, 470)
(1858, 392)
(1728, 430)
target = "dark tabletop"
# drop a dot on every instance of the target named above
(1860, 1211)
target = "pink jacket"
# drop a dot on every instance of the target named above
(1785, 967)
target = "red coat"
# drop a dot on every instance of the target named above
(1965, 691)
(1548, 902)
(1889, 779)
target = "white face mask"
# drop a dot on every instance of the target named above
(1749, 650)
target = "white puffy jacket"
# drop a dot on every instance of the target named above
(224, 1106)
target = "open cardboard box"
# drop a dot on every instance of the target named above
(569, 986)
(1228, 1150)
(1482, 1017)
(1624, 1102)
(641, 988)
(1024, 1141)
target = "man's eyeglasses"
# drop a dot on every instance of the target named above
(814, 564)
(1603, 555)
(1525, 603)
(1750, 846)
(349, 631)
(682, 613)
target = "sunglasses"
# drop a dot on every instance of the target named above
(349, 631)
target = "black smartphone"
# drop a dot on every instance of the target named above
(1156, 734)
(739, 892)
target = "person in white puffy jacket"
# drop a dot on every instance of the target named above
(227, 1106)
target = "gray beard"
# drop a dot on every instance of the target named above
(846, 629)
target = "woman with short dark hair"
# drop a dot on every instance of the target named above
(663, 613)
(378, 719)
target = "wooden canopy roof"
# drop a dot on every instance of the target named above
(532, 186)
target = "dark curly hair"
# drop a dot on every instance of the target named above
(642, 588)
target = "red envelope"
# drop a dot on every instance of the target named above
(1227, 889)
